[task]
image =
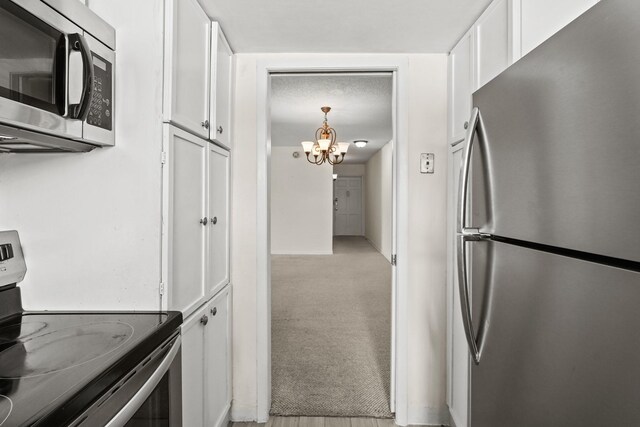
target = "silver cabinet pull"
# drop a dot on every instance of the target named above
(204, 319)
(214, 311)
(220, 130)
(204, 221)
(465, 234)
(466, 125)
(214, 220)
(205, 124)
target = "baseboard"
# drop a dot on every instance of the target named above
(243, 413)
(424, 416)
(376, 248)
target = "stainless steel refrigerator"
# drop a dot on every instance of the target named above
(549, 231)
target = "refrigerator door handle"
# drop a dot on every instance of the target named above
(468, 234)
(465, 302)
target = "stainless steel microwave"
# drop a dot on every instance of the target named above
(57, 66)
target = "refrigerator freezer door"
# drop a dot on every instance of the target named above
(564, 139)
(561, 342)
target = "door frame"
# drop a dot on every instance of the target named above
(398, 65)
(362, 220)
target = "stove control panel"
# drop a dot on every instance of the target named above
(12, 265)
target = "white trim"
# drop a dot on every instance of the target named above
(420, 415)
(399, 65)
(240, 413)
(302, 253)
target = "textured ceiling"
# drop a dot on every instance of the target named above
(360, 109)
(334, 26)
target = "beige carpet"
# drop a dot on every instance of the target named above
(331, 326)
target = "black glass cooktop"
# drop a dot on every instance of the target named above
(53, 365)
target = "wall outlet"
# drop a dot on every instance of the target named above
(426, 162)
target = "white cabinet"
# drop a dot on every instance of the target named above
(185, 207)
(195, 219)
(221, 86)
(187, 66)
(218, 357)
(193, 367)
(543, 18)
(206, 364)
(218, 238)
(493, 42)
(460, 87)
(458, 360)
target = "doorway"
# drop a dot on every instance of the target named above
(398, 66)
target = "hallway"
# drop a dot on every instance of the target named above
(331, 326)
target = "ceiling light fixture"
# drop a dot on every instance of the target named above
(360, 143)
(325, 146)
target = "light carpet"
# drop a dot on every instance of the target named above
(331, 326)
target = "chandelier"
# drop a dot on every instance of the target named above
(325, 148)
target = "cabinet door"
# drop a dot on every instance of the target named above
(187, 66)
(221, 89)
(185, 208)
(492, 42)
(193, 370)
(460, 71)
(218, 256)
(543, 18)
(218, 360)
(458, 361)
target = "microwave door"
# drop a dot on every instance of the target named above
(34, 68)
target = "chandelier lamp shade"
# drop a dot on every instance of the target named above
(325, 148)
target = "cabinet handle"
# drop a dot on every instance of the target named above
(214, 311)
(466, 125)
(204, 319)
(214, 220)
(220, 130)
(205, 124)
(204, 221)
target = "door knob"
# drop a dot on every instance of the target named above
(204, 221)
(204, 319)
(220, 130)
(205, 124)
(214, 311)
(214, 220)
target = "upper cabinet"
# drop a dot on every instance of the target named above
(198, 73)
(543, 18)
(221, 66)
(460, 86)
(187, 66)
(493, 42)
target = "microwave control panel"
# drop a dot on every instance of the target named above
(101, 110)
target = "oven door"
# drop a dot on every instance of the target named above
(149, 396)
(45, 70)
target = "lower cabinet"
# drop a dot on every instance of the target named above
(206, 363)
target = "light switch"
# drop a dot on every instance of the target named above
(426, 162)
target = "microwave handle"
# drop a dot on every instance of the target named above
(81, 110)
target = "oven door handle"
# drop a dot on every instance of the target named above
(129, 410)
(80, 111)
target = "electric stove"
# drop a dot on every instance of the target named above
(83, 368)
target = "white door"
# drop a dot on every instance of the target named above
(186, 210)
(193, 368)
(221, 96)
(218, 360)
(347, 193)
(187, 66)
(460, 87)
(493, 44)
(218, 256)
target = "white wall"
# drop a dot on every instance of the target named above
(90, 223)
(378, 200)
(349, 170)
(427, 89)
(301, 209)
